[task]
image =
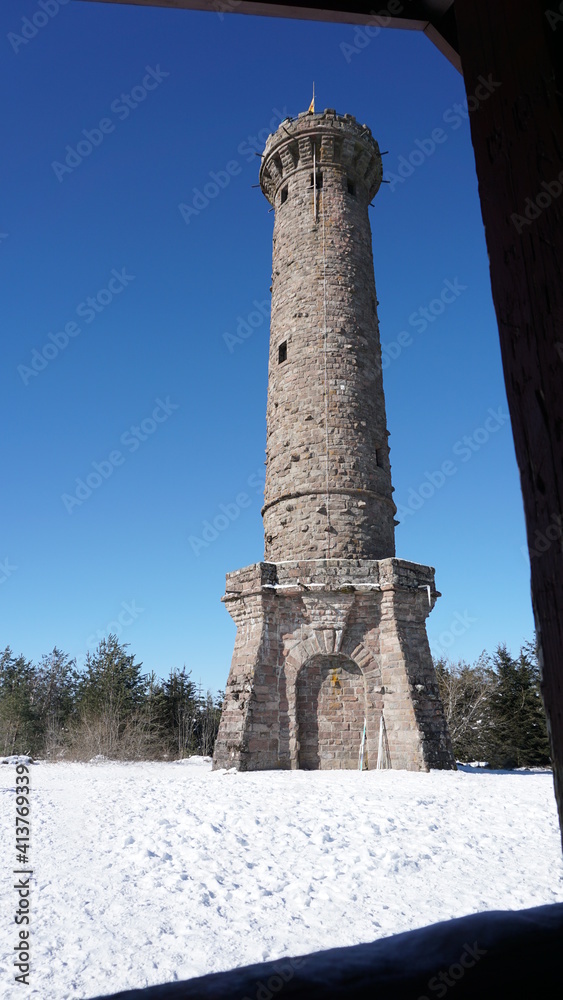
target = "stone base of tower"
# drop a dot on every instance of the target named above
(321, 646)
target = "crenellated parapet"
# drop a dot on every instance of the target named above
(325, 138)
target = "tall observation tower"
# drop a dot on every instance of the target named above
(331, 633)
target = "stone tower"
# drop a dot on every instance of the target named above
(331, 626)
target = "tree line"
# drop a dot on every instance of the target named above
(494, 709)
(51, 709)
(109, 708)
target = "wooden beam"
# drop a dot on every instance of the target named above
(434, 17)
(517, 135)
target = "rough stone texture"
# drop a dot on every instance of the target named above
(330, 627)
(310, 635)
(329, 390)
(330, 707)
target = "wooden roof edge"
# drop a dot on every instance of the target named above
(436, 18)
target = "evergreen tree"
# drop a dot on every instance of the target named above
(110, 693)
(18, 714)
(154, 707)
(111, 680)
(179, 707)
(55, 691)
(519, 737)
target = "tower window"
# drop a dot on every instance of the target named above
(282, 352)
(283, 196)
(351, 187)
(317, 179)
(379, 457)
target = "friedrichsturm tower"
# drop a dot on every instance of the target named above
(331, 626)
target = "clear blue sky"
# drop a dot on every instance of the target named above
(157, 331)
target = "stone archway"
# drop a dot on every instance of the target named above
(330, 710)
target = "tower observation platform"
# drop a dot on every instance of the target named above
(331, 659)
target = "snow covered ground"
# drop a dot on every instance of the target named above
(157, 871)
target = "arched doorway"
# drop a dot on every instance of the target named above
(331, 708)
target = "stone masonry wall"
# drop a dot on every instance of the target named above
(301, 626)
(330, 710)
(327, 431)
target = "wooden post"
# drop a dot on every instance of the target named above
(514, 49)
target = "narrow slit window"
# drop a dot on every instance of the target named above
(282, 352)
(379, 457)
(317, 180)
(283, 196)
(351, 187)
